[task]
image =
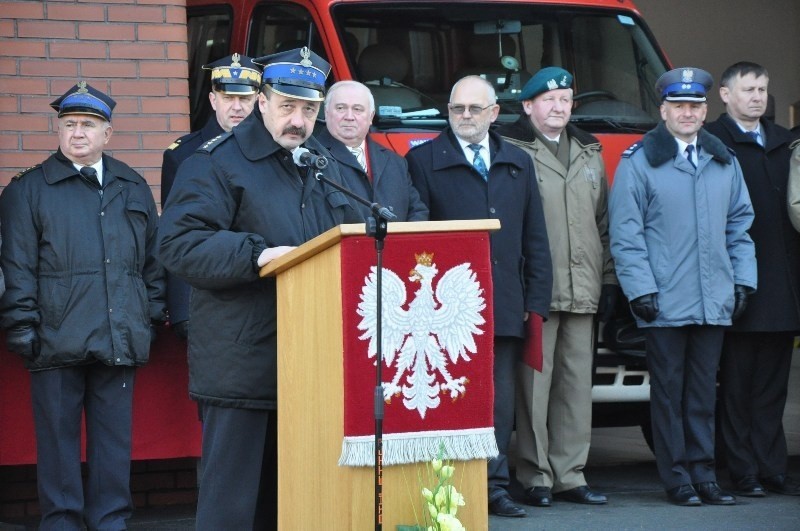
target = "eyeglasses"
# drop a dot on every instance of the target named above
(473, 109)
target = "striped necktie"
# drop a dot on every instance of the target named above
(478, 161)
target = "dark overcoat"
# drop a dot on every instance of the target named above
(775, 307)
(236, 196)
(522, 273)
(81, 266)
(391, 186)
(178, 291)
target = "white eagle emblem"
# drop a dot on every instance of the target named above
(437, 327)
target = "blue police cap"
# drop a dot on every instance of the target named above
(684, 84)
(546, 79)
(84, 99)
(235, 74)
(298, 73)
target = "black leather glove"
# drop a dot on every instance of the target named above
(24, 340)
(609, 294)
(740, 294)
(645, 307)
(181, 329)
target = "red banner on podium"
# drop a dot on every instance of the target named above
(437, 348)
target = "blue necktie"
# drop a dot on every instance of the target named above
(689, 155)
(478, 162)
(755, 135)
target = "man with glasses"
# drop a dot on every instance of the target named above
(372, 171)
(468, 172)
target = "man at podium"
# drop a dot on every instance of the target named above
(239, 202)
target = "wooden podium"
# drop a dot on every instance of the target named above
(314, 492)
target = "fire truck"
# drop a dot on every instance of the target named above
(411, 52)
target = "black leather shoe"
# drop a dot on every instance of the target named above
(711, 494)
(685, 496)
(781, 484)
(749, 486)
(581, 495)
(505, 506)
(538, 497)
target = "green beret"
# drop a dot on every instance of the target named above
(550, 78)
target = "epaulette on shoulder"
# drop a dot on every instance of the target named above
(212, 144)
(631, 150)
(174, 144)
(25, 172)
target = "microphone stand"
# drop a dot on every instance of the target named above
(377, 228)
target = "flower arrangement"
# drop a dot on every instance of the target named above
(443, 499)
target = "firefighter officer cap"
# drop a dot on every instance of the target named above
(684, 84)
(84, 99)
(235, 74)
(298, 73)
(545, 80)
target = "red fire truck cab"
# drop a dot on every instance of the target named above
(411, 52)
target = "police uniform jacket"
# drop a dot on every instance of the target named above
(391, 186)
(520, 255)
(776, 305)
(178, 291)
(233, 198)
(576, 209)
(681, 232)
(81, 267)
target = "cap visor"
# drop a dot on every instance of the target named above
(235, 88)
(293, 91)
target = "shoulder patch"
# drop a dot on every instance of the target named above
(212, 144)
(26, 171)
(631, 150)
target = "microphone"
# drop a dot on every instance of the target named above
(303, 157)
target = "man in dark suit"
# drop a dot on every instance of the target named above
(370, 170)
(757, 351)
(235, 79)
(469, 173)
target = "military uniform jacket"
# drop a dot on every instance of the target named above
(178, 291)
(79, 266)
(181, 150)
(776, 305)
(391, 186)
(452, 188)
(233, 198)
(576, 209)
(681, 232)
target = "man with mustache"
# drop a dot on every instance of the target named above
(239, 202)
(679, 215)
(757, 351)
(235, 79)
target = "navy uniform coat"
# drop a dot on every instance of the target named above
(775, 307)
(235, 197)
(522, 273)
(81, 267)
(178, 291)
(391, 186)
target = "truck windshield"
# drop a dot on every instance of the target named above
(410, 54)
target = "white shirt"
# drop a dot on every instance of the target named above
(682, 148)
(98, 167)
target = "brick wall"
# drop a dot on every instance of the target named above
(133, 50)
(167, 482)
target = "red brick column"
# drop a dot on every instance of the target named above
(134, 50)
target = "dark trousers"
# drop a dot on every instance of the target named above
(754, 378)
(239, 482)
(60, 396)
(507, 352)
(683, 365)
